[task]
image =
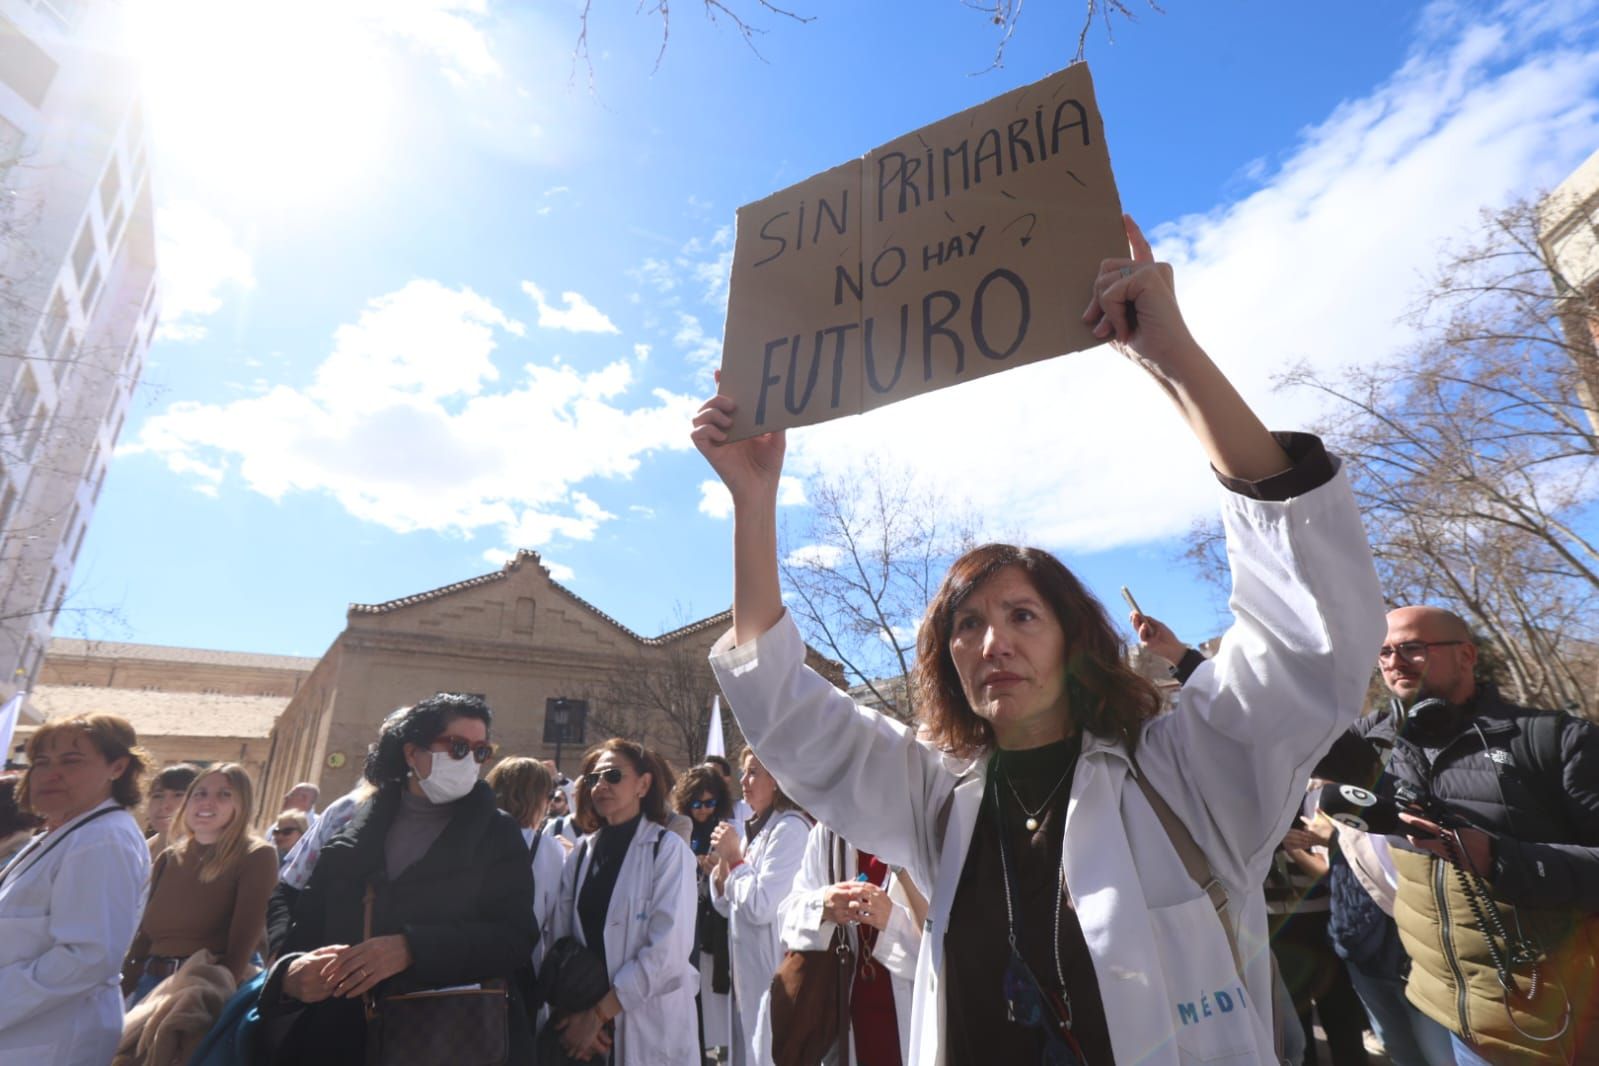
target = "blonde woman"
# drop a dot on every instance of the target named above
(208, 889)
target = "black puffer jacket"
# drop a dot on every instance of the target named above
(1546, 820)
(465, 909)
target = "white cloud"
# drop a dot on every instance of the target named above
(200, 259)
(641, 352)
(825, 556)
(698, 347)
(559, 571)
(407, 425)
(451, 31)
(717, 502)
(576, 315)
(1319, 263)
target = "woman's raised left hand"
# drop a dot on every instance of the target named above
(356, 970)
(1134, 306)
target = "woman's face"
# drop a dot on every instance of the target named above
(68, 777)
(706, 808)
(164, 803)
(1010, 653)
(472, 730)
(284, 837)
(759, 787)
(211, 808)
(616, 802)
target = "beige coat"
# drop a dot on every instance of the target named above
(168, 1025)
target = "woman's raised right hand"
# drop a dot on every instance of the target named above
(750, 468)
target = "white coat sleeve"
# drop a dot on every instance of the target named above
(565, 921)
(900, 942)
(755, 889)
(1291, 674)
(96, 900)
(662, 965)
(855, 770)
(805, 926)
(548, 873)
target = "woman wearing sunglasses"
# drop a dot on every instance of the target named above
(450, 881)
(1066, 920)
(627, 895)
(702, 794)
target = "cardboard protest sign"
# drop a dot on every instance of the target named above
(965, 248)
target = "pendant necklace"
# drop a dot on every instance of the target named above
(1032, 817)
(1027, 1001)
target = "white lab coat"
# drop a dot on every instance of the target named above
(1231, 759)
(805, 926)
(67, 917)
(649, 934)
(749, 899)
(548, 859)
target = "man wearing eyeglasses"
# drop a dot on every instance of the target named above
(1499, 884)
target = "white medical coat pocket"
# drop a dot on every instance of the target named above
(1210, 1008)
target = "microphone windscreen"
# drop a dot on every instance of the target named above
(1361, 809)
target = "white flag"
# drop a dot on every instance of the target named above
(13, 708)
(714, 744)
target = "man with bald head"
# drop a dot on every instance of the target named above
(1498, 884)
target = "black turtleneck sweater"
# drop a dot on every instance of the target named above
(977, 949)
(609, 848)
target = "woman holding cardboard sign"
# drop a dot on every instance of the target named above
(1064, 829)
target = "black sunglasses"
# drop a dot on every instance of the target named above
(701, 805)
(613, 776)
(458, 747)
(283, 830)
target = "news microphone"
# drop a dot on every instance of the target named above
(1362, 809)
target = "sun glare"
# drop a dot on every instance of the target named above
(267, 107)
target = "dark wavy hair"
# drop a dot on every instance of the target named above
(1105, 696)
(13, 818)
(420, 724)
(703, 778)
(644, 761)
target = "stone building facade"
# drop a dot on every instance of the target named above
(187, 704)
(519, 639)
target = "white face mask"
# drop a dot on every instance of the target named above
(450, 779)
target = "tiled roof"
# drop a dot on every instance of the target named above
(71, 648)
(190, 714)
(511, 567)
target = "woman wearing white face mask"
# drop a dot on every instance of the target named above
(450, 888)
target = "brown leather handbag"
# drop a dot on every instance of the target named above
(437, 1027)
(811, 990)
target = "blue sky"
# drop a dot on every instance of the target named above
(429, 299)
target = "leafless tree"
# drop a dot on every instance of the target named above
(862, 569)
(1003, 15)
(1475, 460)
(662, 698)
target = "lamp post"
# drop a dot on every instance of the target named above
(564, 722)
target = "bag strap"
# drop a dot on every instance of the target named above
(1193, 859)
(369, 1002)
(37, 856)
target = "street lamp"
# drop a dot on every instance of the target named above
(564, 722)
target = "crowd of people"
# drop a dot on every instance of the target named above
(1056, 863)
